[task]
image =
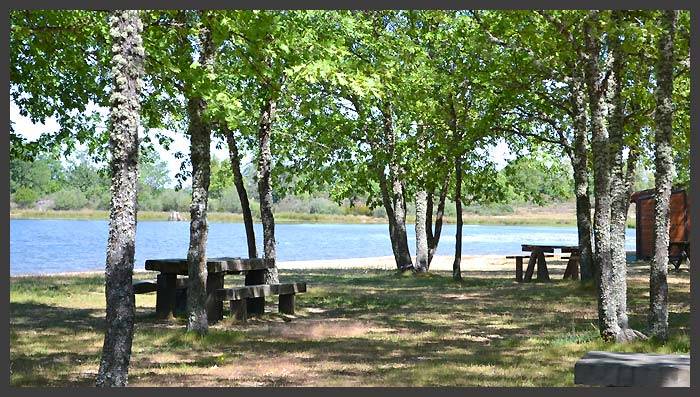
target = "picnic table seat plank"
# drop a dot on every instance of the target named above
(238, 296)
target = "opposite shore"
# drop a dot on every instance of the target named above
(563, 215)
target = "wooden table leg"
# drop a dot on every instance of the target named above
(530, 266)
(542, 272)
(572, 267)
(255, 306)
(215, 307)
(519, 269)
(286, 303)
(165, 295)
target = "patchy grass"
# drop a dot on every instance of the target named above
(353, 328)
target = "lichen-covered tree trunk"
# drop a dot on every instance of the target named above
(235, 159)
(607, 313)
(200, 141)
(579, 163)
(421, 200)
(658, 285)
(619, 185)
(421, 234)
(127, 70)
(267, 115)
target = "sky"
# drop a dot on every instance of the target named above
(23, 126)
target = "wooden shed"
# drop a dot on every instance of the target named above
(679, 214)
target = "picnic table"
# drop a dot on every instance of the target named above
(677, 252)
(537, 255)
(217, 268)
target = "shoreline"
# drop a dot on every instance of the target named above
(490, 262)
(521, 217)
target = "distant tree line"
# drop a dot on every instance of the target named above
(45, 182)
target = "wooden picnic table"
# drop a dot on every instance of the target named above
(217, 268)
(677, 252)
(537, 256)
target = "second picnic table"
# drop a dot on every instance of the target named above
(216, 269)
(537, 256)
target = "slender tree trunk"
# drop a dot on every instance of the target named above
(421, 234)
(456, 265)
(658, 291)
(200, 141)
(399, 202)
(127, 70)
(619, 186)
(422, 226)
(607, 314)
(387, 201)
(264, 186)
(439, 215)
(242, 193)
(579, 162)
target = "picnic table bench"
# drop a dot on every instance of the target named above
(238, 296)
(168, 286)
(537, 255)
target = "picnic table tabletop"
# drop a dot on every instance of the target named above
(214, 265)
(550, 247)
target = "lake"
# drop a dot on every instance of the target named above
(52, 246)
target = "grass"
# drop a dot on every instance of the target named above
(352, 328)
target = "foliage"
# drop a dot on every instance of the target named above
(69, 199)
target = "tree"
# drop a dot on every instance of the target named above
(545, 96)
(658, 294)
(235, 160)
(200, 140)
(127, 70)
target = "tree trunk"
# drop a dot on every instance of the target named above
(264, 186)
(127, 70)
(607, 314)
(658, 291)
(387, 201)
(398, 200)
(242, 194)
(200, 141)
(456, 265)
(434, 239)
(422, 226)
(579, 163)
(619, 186)
(421, 234)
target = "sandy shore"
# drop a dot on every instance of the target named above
(440, 262)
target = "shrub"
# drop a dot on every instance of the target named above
(175, 200)
(25, 197)
(229, 201)
(69, 199)
(321, 205)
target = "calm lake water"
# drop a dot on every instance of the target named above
(51, 246)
